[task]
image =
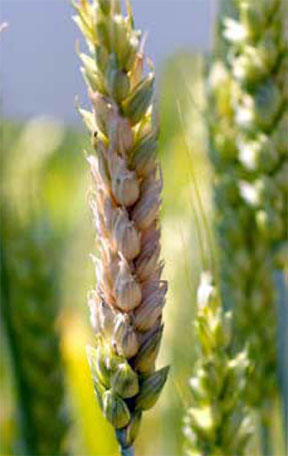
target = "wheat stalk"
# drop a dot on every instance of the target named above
(218, 422)
(126, 307)
(249, 151)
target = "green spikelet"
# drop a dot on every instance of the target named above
(29, 299)
(248, 89)
(217, 423)
(126, 306)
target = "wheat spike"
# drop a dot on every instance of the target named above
(218, 422)
(248, 89)
(126, 306)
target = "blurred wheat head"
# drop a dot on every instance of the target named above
(126, 306)
(248, 145)
(218, 421)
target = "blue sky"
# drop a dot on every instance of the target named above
(39, 69)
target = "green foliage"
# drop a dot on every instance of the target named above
(30, 295)
(29, 300)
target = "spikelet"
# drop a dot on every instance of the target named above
(217, 423)
(126, 307)
(29, 298)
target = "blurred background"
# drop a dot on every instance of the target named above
(47, 232)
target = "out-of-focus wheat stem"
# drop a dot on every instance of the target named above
(126, 306)
(282, 284)
(127, 451)
(265, 434)
(28, 445)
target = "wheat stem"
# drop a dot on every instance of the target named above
(265, 434)
(282, 348)
(28, 444)
(128, 451)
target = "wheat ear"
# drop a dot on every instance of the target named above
(249, 152)
(218, 423)
(126, 307)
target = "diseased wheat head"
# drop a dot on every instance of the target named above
(126, 306)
